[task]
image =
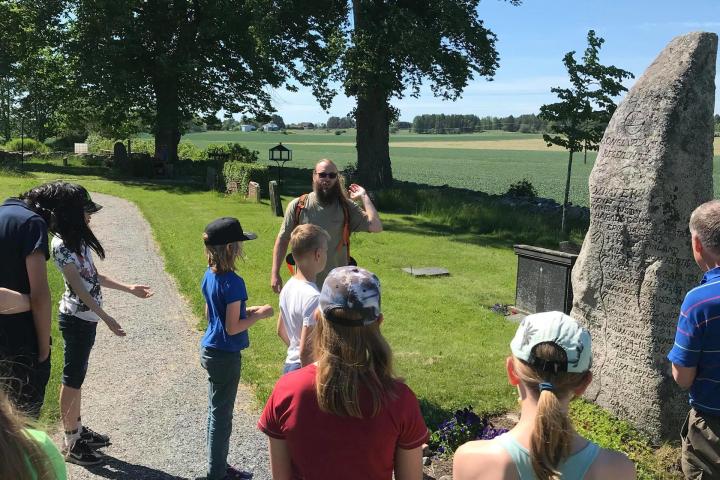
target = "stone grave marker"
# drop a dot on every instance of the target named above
(120, 155)
(211, 178)
(254, 192)
(275, 201)
(653, 168)
(543, 279)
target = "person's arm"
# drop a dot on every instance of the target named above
(39, 301)
(71, 274)
(280, 464)
(279, 252)
(234, 324)
(375, 225)
(684, 376)
(140, 291)
(281, 331)
(408, 464)
(306, 353)
(13, 302)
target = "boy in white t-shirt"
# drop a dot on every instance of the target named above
(299, 297)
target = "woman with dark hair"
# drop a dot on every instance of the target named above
(25, 331)
(347, 415)
(81, 308)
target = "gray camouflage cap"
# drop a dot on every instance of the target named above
(351, 289)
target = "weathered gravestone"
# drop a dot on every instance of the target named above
(254, 191)
(120, 155)
(275, 201)
(653, 168)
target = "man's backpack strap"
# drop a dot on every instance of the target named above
(299, 206)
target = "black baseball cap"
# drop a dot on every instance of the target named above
(88, 205)
(226, 230)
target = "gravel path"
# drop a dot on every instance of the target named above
(148, 390)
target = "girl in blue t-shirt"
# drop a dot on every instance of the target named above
(226, 335)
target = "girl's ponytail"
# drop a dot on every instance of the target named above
(550, 442)
(553, 431)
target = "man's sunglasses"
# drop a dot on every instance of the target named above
(331, 175)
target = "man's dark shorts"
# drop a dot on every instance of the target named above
(700, 446)
(79, 336)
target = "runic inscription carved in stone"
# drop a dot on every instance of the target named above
(653, 168)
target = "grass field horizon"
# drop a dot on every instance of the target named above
(489, 162)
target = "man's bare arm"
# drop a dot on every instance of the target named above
(279, 252)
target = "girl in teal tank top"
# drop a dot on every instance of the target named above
(550, 365)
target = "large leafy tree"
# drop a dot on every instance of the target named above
(32, 75)
(394, 46)
(579, 119)
(163, 61)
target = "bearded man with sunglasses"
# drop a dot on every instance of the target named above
(327, 206)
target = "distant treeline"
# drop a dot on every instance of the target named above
(442, 123)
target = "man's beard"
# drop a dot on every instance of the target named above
(329, 196)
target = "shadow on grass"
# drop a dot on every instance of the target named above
(117, 469)
(434, 414)
(420, 226)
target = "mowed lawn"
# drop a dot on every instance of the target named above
(489, 162)
(448, 345)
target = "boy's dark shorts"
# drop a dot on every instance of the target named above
(79, 336)
(700, 446)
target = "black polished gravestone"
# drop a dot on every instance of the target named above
(543, 280)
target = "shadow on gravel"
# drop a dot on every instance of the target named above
(117, 469)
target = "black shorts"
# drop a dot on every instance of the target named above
(79, 336)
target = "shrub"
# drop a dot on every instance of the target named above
(523, 189)
(188, 151)
(339, 132)
(244, 173)
(96, 143)
(233, 152)
(350, 173)
(27, 144)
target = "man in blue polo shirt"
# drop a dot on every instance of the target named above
(25, 337)
(695, 356)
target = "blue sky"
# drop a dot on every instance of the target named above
(532, 39)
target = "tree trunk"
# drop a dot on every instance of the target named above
(563, 224)
(372, 118)
(167, 123)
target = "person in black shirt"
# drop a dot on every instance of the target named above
(25, 337)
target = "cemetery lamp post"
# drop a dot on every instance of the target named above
(280, 154)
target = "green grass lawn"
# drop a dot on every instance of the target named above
(448, 345)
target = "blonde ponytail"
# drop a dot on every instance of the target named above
(553, 431)
(550, 441)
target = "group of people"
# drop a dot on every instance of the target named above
(338, 410)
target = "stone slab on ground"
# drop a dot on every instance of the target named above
(426, 271)
(148, 390)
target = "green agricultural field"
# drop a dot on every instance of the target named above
(489, 162)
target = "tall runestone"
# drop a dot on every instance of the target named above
(653, 168)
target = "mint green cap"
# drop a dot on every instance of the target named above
(557, 328)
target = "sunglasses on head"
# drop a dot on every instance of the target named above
(332, 175)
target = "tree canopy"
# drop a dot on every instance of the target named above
(395, 46)
(161, 62)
